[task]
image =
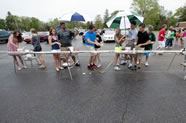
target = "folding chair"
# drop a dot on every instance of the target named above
(30, 58)
(69, 63)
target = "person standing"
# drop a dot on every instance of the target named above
(152, 39)
(119, 39)
(169, 42)
(167, 38)
(55, 46)
(99, 40)
(178, 35)
(131, 39)
(161, 38)
(65, 37)
(37, 47)
(13, 44)
(142, 43)
(90, 42)
(182, 38)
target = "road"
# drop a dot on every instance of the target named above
(154, 95)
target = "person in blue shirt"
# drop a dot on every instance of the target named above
(90, 42)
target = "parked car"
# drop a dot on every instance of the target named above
(43, 36)
(4, 35)
(28, 37)
(108, 36)
(82, 32)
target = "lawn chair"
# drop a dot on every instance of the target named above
(67, 61)
(30, 58)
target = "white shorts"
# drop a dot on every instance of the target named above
(161, 44)
(56, 50)
(92, 51)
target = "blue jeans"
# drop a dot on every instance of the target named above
(168, 42)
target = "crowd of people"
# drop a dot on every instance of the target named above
(135, 40)
(144, 40)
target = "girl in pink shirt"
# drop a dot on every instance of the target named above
(13, 45)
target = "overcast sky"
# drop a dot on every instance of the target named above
(49, 9)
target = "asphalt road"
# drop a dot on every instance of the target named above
(154, 95)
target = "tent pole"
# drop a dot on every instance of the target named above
(125, 25)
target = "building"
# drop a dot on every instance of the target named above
(182, 24)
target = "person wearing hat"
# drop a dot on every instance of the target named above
(152, 39)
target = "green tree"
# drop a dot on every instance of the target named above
(2, 24)
(54, 23)
(149, 9)
(106, 17)
(98, 22)
(35, 23)
(11, 22)
(113, 14)
(181, 13)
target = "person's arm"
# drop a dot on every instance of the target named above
(91, 42)
(137, 40)
(33, 40)
(118, 41)
(153, 38)
(147, 41)
(58, 36)
(12, 43)
(144, 44)
(130, 39)
(50, 41)
(163, 34)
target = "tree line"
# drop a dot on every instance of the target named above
(153, 13)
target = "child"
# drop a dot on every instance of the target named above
(13, 44)
(142, 43)
(171, 38)
(152, 39)
(168, 37)
(55, 46)
(99, 40)
(37, 47)
(119, 39)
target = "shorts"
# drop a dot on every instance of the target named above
(161, 44)
(140, 55)
(120, 48)
(97, 49)
(147, 54)
(130, 45)
(92, 51)
(56, 50)
(38, 48)
(65, 55)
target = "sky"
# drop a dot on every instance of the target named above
(46, 10)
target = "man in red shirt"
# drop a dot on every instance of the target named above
(161, 37)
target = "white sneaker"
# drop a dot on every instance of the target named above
(99, 66)
(137, 63)
(130, 65)
(18, 68)
(123, 62)
(146, 64)
(117, 68)
(61, 68)
(24, 67)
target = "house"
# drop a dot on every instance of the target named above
(182, 24)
